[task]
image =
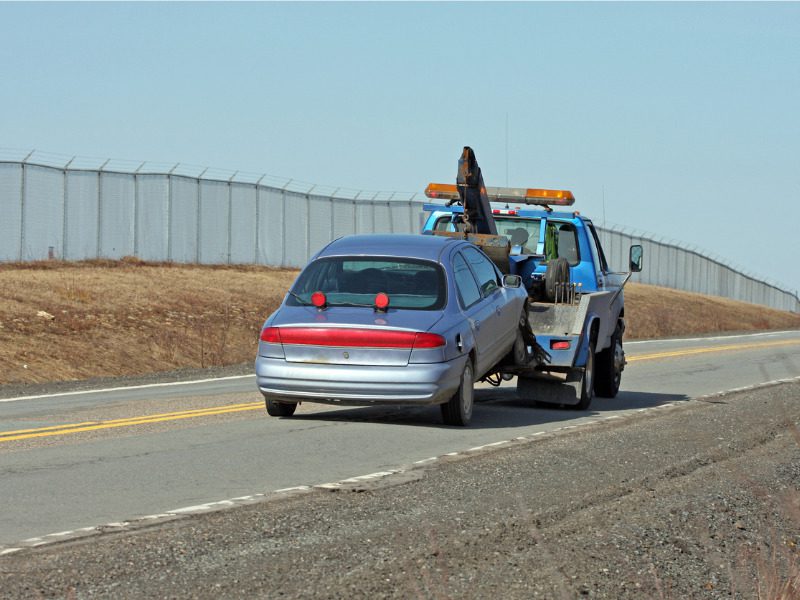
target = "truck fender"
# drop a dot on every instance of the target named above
(605, 333)
(582, 354)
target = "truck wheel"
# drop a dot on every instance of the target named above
(610, 363)
(280, 409)
(556, 276)
(458, 410)
(587, 379)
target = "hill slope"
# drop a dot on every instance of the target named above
(65, 321)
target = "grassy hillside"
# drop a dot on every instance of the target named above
(65, 321)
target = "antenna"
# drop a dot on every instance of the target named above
(604, 206)
(506, 149)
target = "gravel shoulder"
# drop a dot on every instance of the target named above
(696, 501)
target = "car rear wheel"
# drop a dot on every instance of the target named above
(458, 410)
(280, 409)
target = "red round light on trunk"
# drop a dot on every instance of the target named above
(381, 300)
(318, 299)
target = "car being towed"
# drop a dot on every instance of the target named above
(378, 319)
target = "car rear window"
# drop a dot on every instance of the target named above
(354, 281)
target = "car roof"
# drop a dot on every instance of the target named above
(427, 247)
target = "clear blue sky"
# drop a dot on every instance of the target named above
(685, 116)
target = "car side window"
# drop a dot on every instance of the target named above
(468, 291)
(484, 270)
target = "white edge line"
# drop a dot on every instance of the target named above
(126, 388)
(712, 339)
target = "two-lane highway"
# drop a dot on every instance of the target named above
(84, 459)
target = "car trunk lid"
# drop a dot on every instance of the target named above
(352, 335)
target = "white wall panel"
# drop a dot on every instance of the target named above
(152, 217)
(116, 215)
(214, 222)
(183, 220)
(43, 213)
(11, 205)
(243, 223)
(271, 227)
(81, 215)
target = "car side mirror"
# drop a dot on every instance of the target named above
(512, 281)
(636, 258)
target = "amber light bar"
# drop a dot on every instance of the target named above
(531, 196)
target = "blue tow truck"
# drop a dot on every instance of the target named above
(569, 347)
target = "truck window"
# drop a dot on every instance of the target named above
(521, 232)
(567, 242)
(598, 248)
(446, 224)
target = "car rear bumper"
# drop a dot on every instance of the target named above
(355, 385)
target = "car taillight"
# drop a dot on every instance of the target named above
(381, 301)
(271, 335)
(351, 338)
(428, 340)
(318, 299)
(559, 345)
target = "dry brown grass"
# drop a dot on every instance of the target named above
(653, 312)
(115, 318)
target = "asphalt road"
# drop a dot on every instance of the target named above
(85, 459)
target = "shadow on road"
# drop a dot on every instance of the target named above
(496, 408)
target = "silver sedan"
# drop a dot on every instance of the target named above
(405, 319)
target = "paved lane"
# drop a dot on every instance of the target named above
(113, 455)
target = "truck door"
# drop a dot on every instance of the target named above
(598, 258)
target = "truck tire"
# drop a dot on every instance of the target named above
(280, 409)
(610, 363)
(587, 378)
(556, 276)
(458, 410)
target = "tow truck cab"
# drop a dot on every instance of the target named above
(536, 237)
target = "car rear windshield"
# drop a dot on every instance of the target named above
(354, 281)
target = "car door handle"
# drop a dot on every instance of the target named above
(497, 310)
(477, 324)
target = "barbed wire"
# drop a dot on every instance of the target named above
(115, 165)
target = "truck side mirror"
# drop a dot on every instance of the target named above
(635, 258)
(512, 281)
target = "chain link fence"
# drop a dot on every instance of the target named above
(76, 208)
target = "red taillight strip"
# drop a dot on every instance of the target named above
(271, 335)
(342, 337)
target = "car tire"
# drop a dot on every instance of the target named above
(280, 409)
(610, 363)
(458, 410)
(518, 355)
(587, 377)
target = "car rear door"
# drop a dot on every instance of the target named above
(499, 318)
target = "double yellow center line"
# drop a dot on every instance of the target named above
(708, 349)
(41, 432)
(26, 434)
